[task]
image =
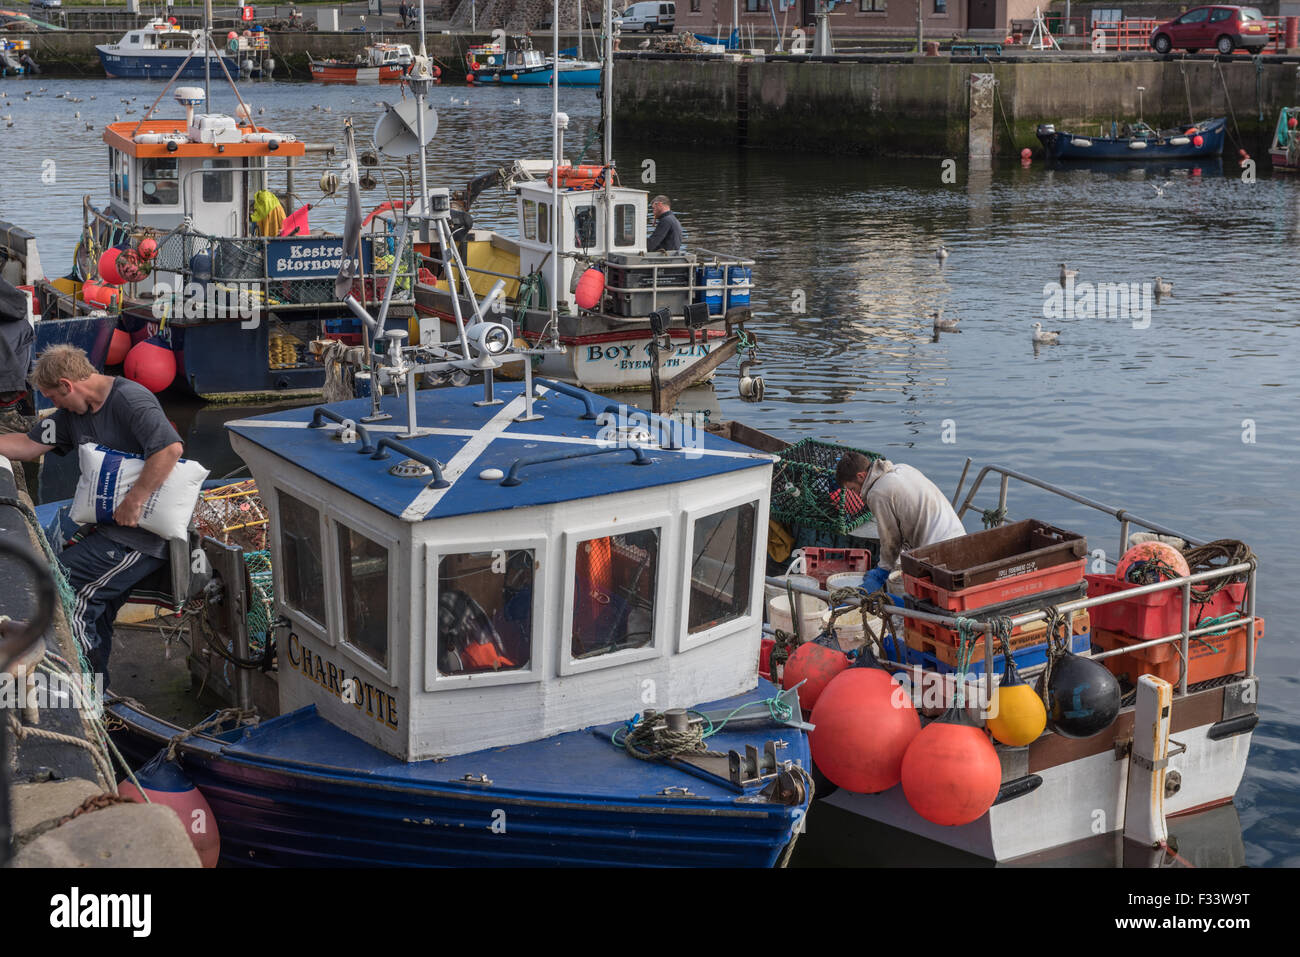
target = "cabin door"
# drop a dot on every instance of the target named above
(982, 14)
(215, 197)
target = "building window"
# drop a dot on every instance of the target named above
(614, 592)
(755, 6)
(300, 564)
(872, 6)
(941, 6)
(695, 6)
(721, 567)
(363, 579)
(485, 611)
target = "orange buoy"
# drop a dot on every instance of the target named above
(108, 266)
(815, 665)
(1290, 122)
(1198, 140)
(864, 724)
(148, 248)
(951, 773)
(131, 266)
(1026, 153)
(151, 364)
(101, 294)
(590, 288)
(118, 347)
(165, 783)
(1151, 562)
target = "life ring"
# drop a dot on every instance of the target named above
(383, 207)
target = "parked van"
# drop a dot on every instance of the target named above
(648, 17)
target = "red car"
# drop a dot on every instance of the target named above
(1223, 28)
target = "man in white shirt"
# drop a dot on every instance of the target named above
(910, 510)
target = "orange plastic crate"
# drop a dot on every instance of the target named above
(1209, 656)
(1020, 640)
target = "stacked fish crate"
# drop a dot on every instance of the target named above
(1005, 571)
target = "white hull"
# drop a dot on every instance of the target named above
(1077, 800)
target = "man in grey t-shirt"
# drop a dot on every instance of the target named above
(105, 565)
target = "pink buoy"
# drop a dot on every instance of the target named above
(108, 266)
(164, 783)
(1198, 141)
(118, 347)
(590, 288)
(1026, 153)
(151, 364)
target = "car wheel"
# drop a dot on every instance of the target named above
(1224, 45)
(1162, 44)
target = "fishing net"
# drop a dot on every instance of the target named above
(804, 490)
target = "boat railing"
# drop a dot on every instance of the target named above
(282, 273)
(1184, 636)
(696, 265)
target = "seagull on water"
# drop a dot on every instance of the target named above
(1164, 287)
(1067, 274)
(944, 325)
(1045, 338)
(941, 253)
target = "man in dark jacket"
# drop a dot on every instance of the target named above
(668, 232)
(16, 338)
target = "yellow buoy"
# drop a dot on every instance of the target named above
(1017, 713)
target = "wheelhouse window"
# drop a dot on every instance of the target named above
(300, 558)
(158, 182)
(721, 567)
(543, 223)
(363, 568)
(485, 611)
(625, 224)
(584, 226)
(530, 219)
(614, 592)
(218, 186)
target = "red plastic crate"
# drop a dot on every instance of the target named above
(996, 592)
(1209, 656)
(1020, 641)
(821, 562)
(1159, 613)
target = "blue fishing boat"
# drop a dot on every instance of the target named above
(156, 50)
(531, 641)
(524, 66)
(1136, 142)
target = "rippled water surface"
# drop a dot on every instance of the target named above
(1151, 419)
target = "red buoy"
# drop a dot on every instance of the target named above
(100, 294)
(118, 347)
(1198, 140)
(816, 663)
(951, 773)
(108, 266)
(864, 724)
(1155, 561)
(1026, 153)
(131, 266)
(151, 364)
(166, 784)
(590, 288)
(148, 248)
(1290, 122)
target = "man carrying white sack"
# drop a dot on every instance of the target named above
(909, 509)
(105, 565)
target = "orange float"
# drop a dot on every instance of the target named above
(864, 725)
(951, 773)
(817, 666)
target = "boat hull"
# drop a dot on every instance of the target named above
(1083, 788)
(1064, 145)
(323, 72)
(158, 66)
(296, 791)
(541, 77)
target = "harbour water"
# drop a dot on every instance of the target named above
(1189, 420)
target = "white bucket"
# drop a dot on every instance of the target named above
(848, 628)
(845, 580)
(778, 614)
(807, 581)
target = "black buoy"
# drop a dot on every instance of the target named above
(1082, 697)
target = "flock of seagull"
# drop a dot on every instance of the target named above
(1040, 336)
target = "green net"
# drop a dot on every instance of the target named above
(261, 600)
(804, 490)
